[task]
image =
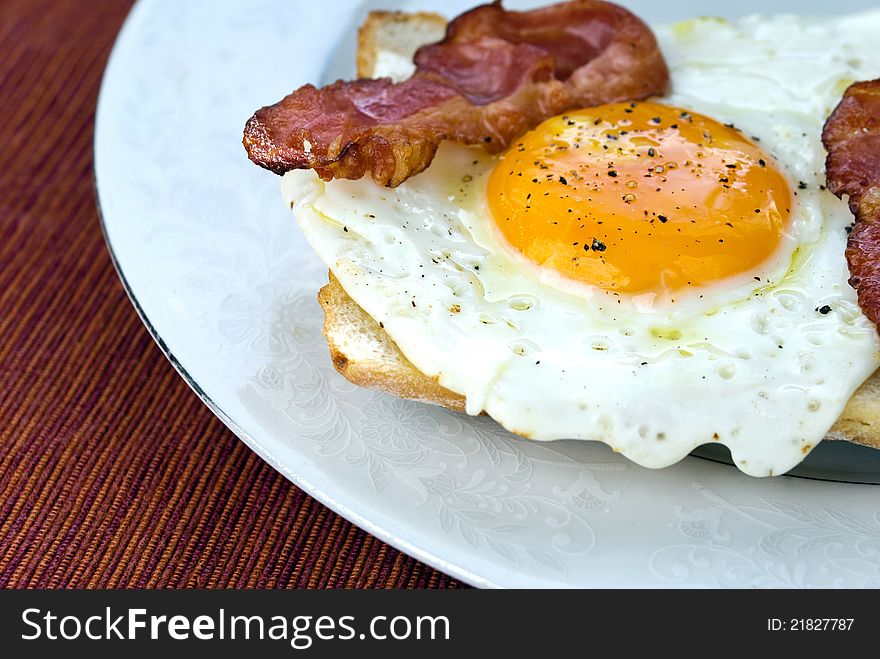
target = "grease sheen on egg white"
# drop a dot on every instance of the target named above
(752, 364)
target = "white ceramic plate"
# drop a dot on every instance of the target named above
(223, 279)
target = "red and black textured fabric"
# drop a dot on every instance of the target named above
(112, 472)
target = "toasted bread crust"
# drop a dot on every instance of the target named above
(860, 420)
(364, 353)
(397, 32)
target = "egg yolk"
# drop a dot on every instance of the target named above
(638, 197)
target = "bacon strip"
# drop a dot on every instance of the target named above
(852, 138)
(496, 74)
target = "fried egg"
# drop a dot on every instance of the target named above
(654, 275)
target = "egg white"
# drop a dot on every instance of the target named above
(752, 363)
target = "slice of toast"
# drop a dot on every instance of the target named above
(387, 41)
(360, 348)
(366, 355)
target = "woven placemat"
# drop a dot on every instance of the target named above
(112, 472)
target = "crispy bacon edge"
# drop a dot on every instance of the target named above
(852, 138)
(496, 74)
